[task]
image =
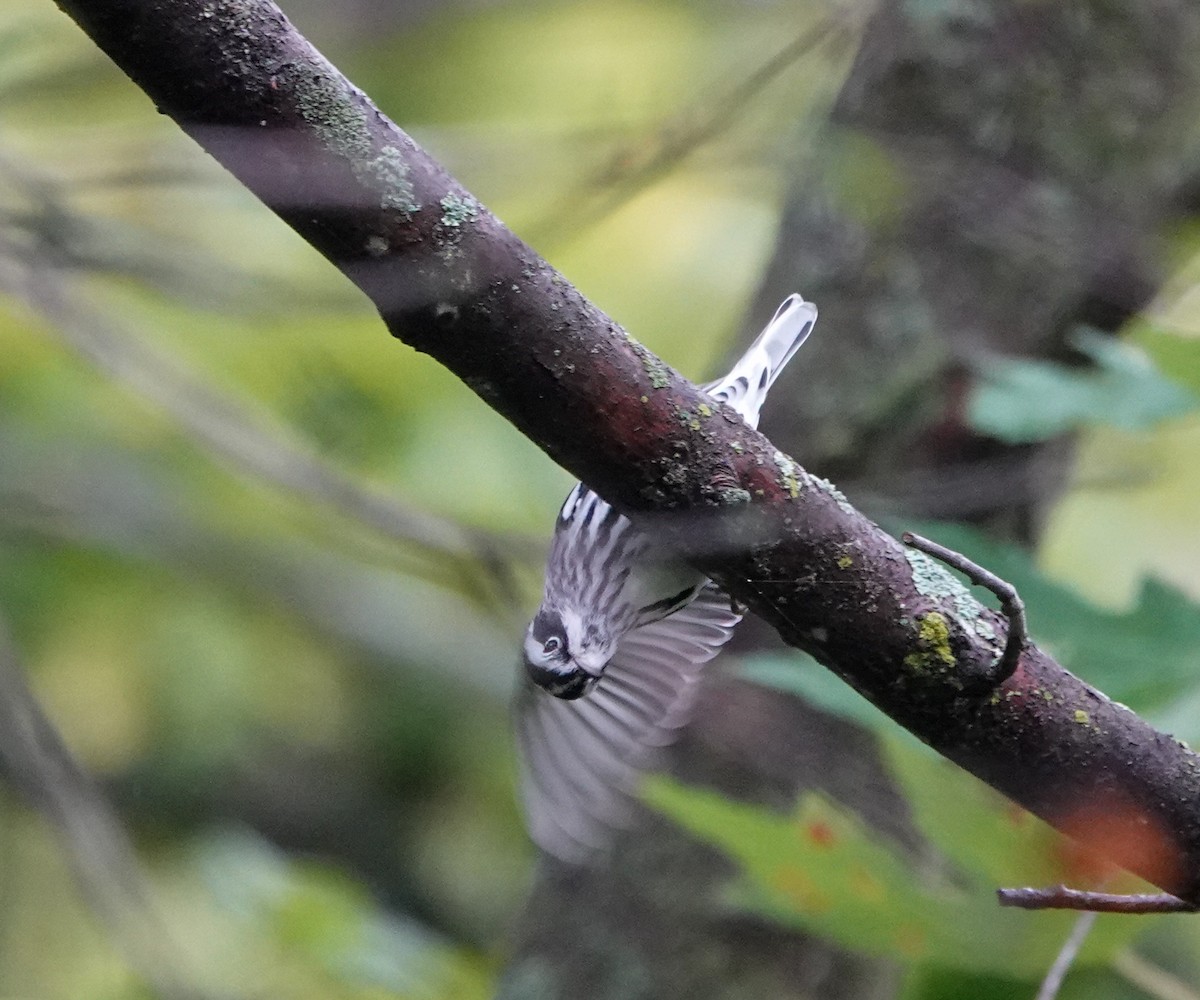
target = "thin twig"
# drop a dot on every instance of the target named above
(1152, 980)
(251, 441)
(1066, 956)
(636, 164)
(37, 761)
(1010, 601)
(1060, 897)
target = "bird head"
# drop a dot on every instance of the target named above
(556, 657)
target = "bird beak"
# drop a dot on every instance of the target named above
(592, 663)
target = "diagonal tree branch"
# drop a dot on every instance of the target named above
(450, 280)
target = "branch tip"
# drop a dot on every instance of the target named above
(1060, 897)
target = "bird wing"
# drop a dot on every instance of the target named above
(580, 760)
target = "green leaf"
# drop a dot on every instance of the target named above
(1177, 356)
(934, 982)
(819, 869)
(326, 926)
(799, 674)
(1021, 401)
(1144, 657)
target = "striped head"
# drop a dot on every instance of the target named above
(564, 655)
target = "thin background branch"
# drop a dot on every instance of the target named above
(1066, 957)
(39, 764)
(1155, 982)
(637, 164)
(475, 561)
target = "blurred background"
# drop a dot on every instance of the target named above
(263, 570)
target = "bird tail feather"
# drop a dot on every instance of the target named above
(745, 387)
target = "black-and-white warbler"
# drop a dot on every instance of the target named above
(616, 648)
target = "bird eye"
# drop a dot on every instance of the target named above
(552, 645)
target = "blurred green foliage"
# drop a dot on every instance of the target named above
(238, 664)
(822, 870)
(1021, 401)
(1144, 656)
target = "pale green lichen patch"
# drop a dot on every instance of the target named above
(845, 561)
(733, 495)
(332, 113)
(390, 170)
(656, 368)
(933, 645)
(789, 474)
(826, 487)
(934, 581)
(969, 611)
(340, 122)
(457, 211)
(1082, 717)
(705, 410)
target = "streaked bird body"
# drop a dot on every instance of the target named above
(615, 649)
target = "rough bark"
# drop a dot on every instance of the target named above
(450, 280)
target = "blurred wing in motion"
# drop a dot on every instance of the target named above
(580, 760)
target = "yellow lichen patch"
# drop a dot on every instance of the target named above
(933, 639)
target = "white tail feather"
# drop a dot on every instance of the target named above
(745, 387)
